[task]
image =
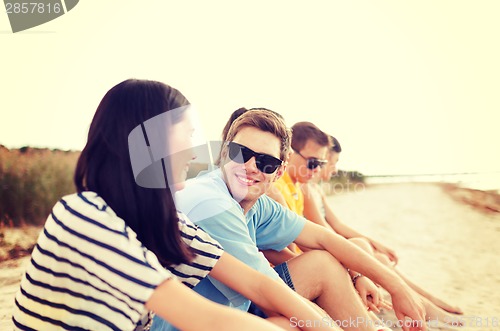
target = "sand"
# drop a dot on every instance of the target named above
(446, 244)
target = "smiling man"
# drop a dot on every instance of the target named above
(309, 150)
(231, 206)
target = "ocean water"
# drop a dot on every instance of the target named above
(480, 181)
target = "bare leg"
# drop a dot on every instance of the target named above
(434, 311)
(432, 299)
(318, 276)
(283, 323)
(436, 301)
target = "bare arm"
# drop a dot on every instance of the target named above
(341, 228)
(276, 257)
(269, 294)
(405, 302)
(177, 304)
(347, 232)
(330, 221)
(312, 211)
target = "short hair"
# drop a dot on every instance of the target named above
(237, 113)
(234, 115)
(267, 121)
(335, 145)
(304, 131)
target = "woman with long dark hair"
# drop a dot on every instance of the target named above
(118, 249)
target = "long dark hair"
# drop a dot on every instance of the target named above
(104, 166)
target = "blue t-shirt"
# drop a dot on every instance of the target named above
(208, 203)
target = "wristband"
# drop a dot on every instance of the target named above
(355, 278)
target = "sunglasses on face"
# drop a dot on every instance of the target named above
(241, 154)
(312, 162)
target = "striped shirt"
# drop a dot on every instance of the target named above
(88, 271)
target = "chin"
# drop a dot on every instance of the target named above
(179, 186)
(238, 192)
(304, 180)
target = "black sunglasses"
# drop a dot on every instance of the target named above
(241, 154)
(312, 162)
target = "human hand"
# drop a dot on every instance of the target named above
(409, 309)
(390, 253)
(370, 295)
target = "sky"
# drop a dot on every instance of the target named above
(407, 87)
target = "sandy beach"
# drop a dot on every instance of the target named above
(444, 243)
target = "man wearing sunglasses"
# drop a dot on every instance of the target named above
(309, 150)
(229, 203)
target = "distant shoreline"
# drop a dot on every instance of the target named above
(487, 201)
(484, 181)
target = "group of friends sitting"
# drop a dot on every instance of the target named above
(251, 245)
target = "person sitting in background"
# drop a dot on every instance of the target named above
(229, 203)
(118, 248)
(318, 210)
(309, 150)
(309, 144)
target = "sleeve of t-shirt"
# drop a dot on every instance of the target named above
(276, 226)
(232, 233)
(207, 252)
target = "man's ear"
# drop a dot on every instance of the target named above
(281, 170)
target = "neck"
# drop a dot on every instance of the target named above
(316, 180)
(292, 177)
(246, 205)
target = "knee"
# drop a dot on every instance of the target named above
(315, 272)
(362, 243)
(328, 264)
(383, 259)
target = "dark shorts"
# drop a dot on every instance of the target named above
(282, 270)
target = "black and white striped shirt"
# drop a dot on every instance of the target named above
(88, 271)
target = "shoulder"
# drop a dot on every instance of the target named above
(267, 208)
(204, 197)
(286, 187)
(87, 208)
(203, 187)
(281, 184)
(278, 221)
(306, 188)
(265, 202)
(276, 194)
(88, 200)
(309, 189)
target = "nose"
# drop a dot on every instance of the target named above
(317, 169)
(251, 165)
